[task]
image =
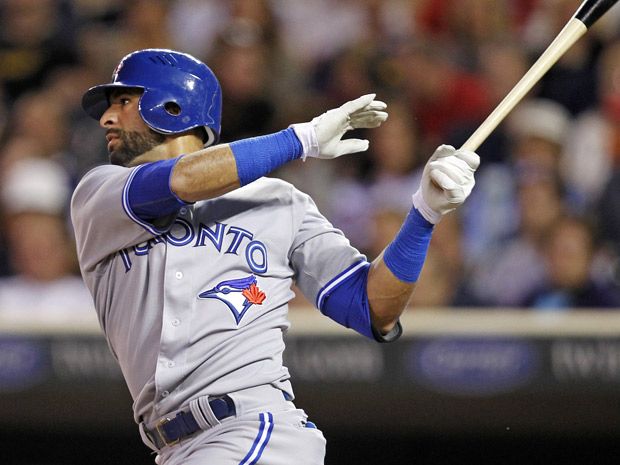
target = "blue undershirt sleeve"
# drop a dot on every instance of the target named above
(148, 192)
(344, 300)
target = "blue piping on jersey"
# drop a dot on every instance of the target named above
(337, 280)
(148, 226)
(262, 438)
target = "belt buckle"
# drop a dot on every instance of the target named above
(162, 433)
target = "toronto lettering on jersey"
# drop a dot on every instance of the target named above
(226, 239)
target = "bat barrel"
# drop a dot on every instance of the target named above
(591, 10)
(586, 15)
(573, 30)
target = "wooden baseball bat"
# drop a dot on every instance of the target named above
(587, 14)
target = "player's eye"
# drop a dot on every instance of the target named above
(124, 100)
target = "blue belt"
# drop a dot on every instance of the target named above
(169, 431)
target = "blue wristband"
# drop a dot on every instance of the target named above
(258, 156)
(406, 254)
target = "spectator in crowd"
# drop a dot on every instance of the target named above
(537, 129)
(317, 31)
(345, 75)
(443, 96)
(17, 147)
(45, 286)
(501, 65)
(464, 26)
(281, 59)
(510, 271)
(568, 254)
(608, 222)
(14, 149)
(593, 145)
(201, 22)
(144, 25)
(384, 186)
(608, 213)
(35, 37)
(242, 61)
(3, 113)
(396, 160)
(572, 80)
(383, 222)
(40, 116)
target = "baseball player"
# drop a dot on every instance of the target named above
(190, 254)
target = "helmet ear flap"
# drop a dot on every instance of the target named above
(160, 112)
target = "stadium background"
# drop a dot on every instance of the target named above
(512, 350)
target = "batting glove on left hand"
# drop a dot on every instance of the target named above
(447, 180)
(322, 137)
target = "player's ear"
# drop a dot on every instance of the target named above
(199, 133)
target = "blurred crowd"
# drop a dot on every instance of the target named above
(541, 229)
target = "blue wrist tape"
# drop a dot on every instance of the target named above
(406, 254)
(258, 156)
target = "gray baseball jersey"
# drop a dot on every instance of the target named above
(196, 304)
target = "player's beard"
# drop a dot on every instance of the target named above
(134, 144)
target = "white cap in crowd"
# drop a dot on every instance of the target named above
(542, 118)
(35, 185)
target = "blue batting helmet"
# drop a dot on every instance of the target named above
(167, 78)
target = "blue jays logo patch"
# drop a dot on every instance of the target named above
(238, 294)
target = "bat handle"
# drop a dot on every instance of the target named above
(571, 32)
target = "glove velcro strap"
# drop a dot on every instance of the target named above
(425, 210)
(306, 134)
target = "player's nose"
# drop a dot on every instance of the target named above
(109, 118)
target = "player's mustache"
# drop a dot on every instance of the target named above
(115, 132)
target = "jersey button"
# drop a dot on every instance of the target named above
(179, 275)
(170, 364)
(165, 394)
(183, 211)
(176, 322)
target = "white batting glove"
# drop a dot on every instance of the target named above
(447, 180)
(322, 137)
